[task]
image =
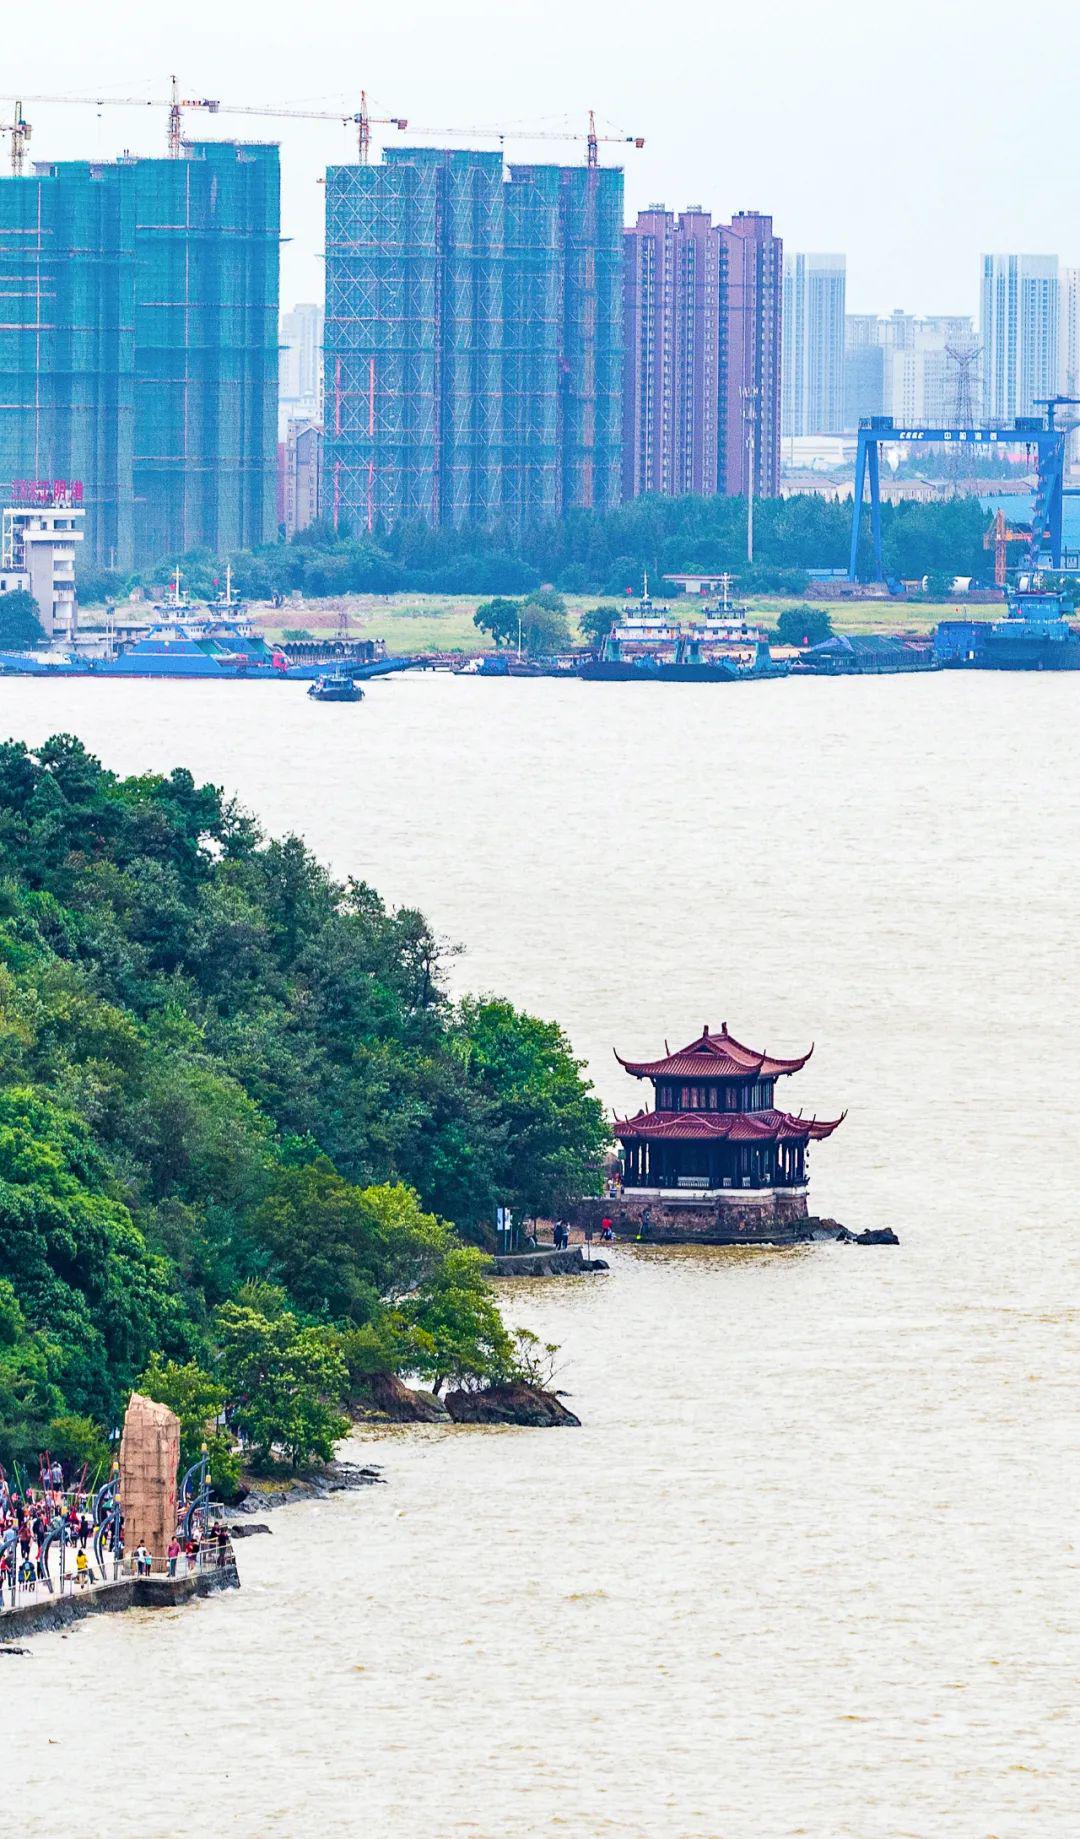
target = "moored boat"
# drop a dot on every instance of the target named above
(1036, 634)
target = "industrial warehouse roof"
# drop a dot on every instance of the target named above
(723, 1127)
(714, 1056)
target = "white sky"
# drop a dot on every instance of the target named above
(912, 136)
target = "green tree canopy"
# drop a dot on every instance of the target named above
(284, 1381)
(20, 621)
(595, 625)
(499, 617)
(806, 625)
(545, 630)
(228, 1081)
(555, 1129)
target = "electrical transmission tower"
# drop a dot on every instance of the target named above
(963, 412)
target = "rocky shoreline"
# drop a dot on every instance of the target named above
(263, 1494)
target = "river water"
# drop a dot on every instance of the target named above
(810, 1566)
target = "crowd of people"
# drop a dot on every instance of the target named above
(61, 1510)
(30, 1516)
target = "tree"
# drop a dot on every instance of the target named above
(803, 626)
(198, 1399)
(555, 1132)
(459, 1334)
(545, 629)
(283, 1383)
(80, 1444)
(595, 625)
(20, 621)
(500, 618)
(341, 1249)
(29, 1396)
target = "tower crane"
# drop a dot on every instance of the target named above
(591, 137)
(19, 129)
(361, 118)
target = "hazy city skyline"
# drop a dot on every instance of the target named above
(912, 164)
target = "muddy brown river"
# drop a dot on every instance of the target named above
(809, 1569)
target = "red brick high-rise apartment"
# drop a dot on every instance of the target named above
(702, 304)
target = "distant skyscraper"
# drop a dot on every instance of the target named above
(751, 284)
(1018, 323)
(473, 340)
(671, 283)
(300, 376)
(702, 316)
(1069, 333)
(138, 345)
(813, 372)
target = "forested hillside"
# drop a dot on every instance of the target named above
(244, 1133)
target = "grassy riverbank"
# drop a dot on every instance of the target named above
(412, 623)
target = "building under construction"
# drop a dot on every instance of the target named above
(138, 345)
(473, 340)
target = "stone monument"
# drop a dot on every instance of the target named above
(149, 1460)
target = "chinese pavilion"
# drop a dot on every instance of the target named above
(716, 1134)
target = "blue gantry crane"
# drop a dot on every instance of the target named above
(1040, 432)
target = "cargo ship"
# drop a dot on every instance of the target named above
(1036, 634)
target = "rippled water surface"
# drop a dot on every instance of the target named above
(809, 1568)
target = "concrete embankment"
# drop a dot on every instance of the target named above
(545, 1262)
(53, 1612)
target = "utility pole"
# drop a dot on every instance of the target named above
(749, 398)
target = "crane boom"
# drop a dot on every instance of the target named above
(176, 104)
(495, 133)
(358, 118)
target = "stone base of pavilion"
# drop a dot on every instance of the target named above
(726, 1216)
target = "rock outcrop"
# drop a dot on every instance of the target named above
(387, 1396)
(514, 1403)
(831, 1230)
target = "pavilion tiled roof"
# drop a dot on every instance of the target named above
(714, 1056)
(723, 1127)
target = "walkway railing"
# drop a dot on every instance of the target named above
(56, 1572)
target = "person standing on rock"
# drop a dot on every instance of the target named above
(173, 1554)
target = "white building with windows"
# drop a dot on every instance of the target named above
(38, 546)
(812, 380)
(1019, 319)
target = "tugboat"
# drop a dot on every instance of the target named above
(335, 686)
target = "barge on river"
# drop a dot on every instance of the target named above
(1036, 634)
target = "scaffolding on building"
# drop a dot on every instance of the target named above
(140, 350)
(473, 339)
